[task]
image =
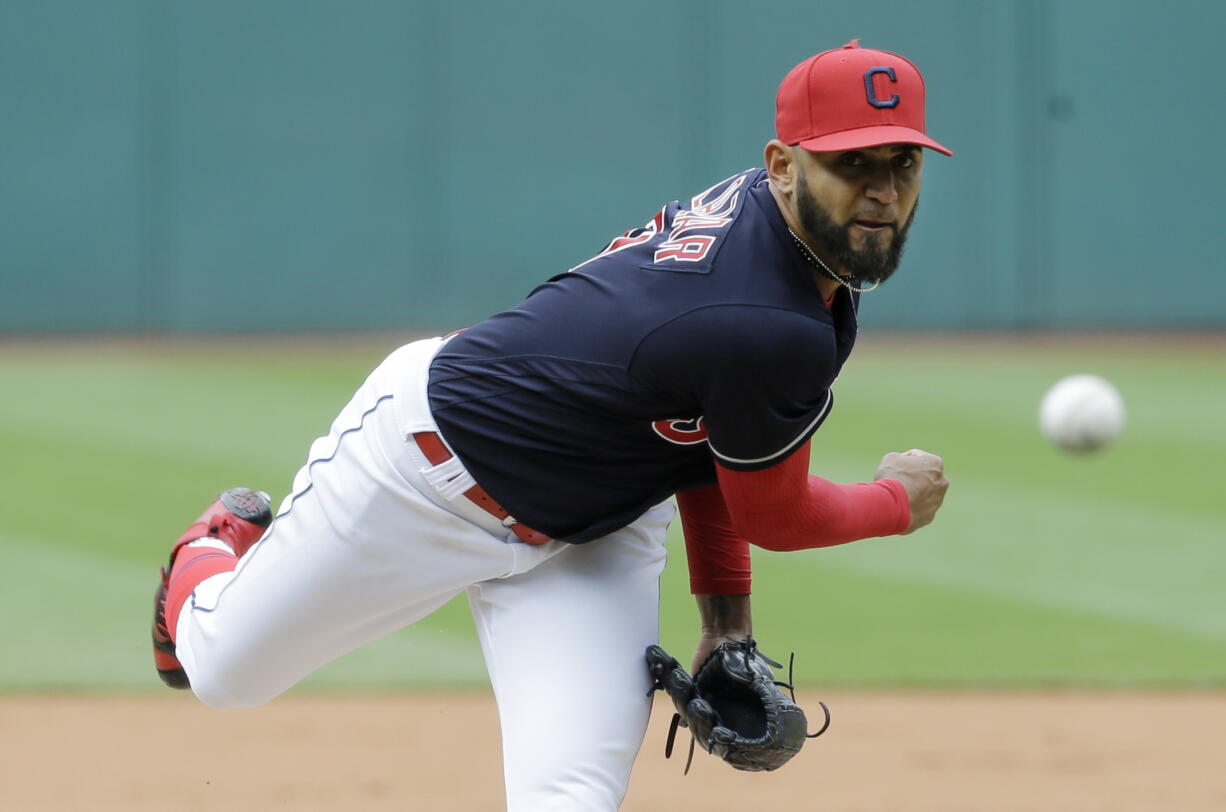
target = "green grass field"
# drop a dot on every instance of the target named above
(1043, 569)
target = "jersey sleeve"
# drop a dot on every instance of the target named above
(759, 376)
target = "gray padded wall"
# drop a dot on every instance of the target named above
(327, 165)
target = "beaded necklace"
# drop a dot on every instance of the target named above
(816, 261)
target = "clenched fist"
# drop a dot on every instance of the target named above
(923, 475)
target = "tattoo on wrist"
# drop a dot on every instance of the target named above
(725, 615)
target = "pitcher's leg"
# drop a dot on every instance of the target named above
(303, 598)
(356, 553)
(564, 645)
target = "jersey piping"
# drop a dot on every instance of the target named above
(800, 438)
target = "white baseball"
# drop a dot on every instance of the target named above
(1082, 413)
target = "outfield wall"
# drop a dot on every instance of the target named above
(368, 164)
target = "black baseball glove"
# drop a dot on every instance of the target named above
(733, 706)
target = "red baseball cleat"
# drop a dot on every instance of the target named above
(239, 518)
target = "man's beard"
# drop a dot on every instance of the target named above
(874, 263)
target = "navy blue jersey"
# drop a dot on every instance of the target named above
(611, 386)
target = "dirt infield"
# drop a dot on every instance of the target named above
(887, 753)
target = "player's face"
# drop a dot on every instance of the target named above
(857, 206)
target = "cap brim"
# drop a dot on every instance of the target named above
(866, 137)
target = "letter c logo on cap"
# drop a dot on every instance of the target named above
(872, 93)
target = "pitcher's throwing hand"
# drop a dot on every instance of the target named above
(923, 475)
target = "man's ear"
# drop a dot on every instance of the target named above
(780, 162)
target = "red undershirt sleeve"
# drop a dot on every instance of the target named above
(718, 557)
(784, 507)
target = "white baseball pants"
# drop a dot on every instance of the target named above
(365, 545)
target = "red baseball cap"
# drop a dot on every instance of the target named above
(852, 98)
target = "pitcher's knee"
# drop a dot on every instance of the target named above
(232, 685)
(221, 696)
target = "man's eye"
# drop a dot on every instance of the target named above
(852, 159)
(904, 161)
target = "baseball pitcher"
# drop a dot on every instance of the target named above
(528, 462)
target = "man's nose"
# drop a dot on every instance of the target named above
(881, 187)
